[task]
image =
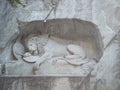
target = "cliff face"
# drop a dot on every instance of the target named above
(104, 13)
(7, 22)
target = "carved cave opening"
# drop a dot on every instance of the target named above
(56, 47)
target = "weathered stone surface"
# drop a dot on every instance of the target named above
(43, 83)
(104, 13)
(76, 50)
(8, 25)
(31, 59)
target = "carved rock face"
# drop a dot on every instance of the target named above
(76, 50)
(35, 44)
(73, 32)
(68, 29)
(31, 43)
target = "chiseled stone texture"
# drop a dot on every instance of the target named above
(41, 83)
(104, 13)
(107, 71)
(8, 24)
